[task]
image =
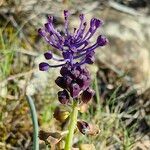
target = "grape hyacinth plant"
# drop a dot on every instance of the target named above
(76, 52)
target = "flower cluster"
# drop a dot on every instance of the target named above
(75, 48)
(75, 80)
(76, 51)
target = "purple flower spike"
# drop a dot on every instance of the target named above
(76, 51)
(44, 66)
(48, 55)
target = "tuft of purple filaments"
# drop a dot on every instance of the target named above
(75, 48)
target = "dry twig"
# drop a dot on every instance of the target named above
(124, 9)
(17, 76)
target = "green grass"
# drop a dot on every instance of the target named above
(113, 131)
(7, 57)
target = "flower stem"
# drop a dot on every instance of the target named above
(72, 125)
(35, 122)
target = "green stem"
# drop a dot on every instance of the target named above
(35, 123)
(72, 125)
(97, 94)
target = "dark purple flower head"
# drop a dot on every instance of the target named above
(74, 79)
(75, 48)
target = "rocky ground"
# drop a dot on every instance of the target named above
(122, 71)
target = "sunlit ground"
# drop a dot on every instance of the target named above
(120, 108)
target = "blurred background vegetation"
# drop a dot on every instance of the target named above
(121, 74)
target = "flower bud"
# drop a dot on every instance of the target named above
(63, 97)
(68, 80)
(92, 23)
(83, 127)
(75, 73)
(81, 16)
(64, 70)
(44, 66)
(41, 32)
(87, 129)
(87, 95)
(61, 82)
(74, 90)
(102, 40)
(98, 23)
(66, 14)
(81, 80)
(60, 115)
(50, 19)
(48, 55)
